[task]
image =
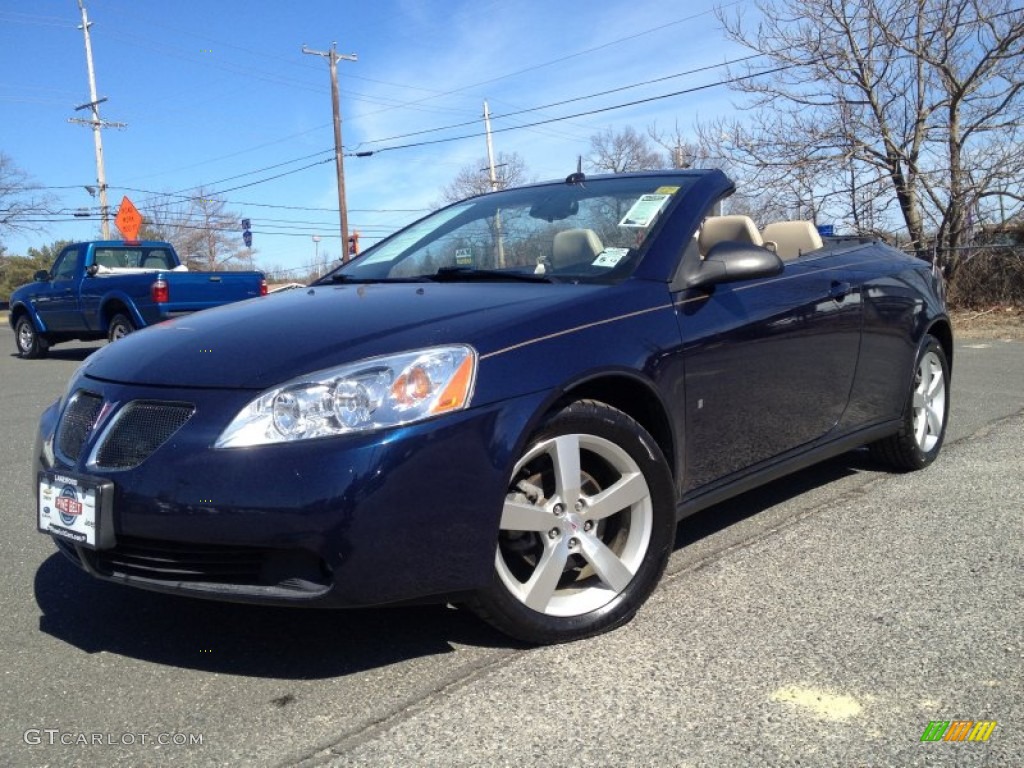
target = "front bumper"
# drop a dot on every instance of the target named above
(395, 515)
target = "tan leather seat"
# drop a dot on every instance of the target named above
(572, 246)
(720, 229)
(793, 238)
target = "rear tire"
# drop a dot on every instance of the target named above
(919, 440)
(120, 326)
(31, 346)
(586, 529)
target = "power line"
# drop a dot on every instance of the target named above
(134, 39)
(636, 102)
(567, 57)
(31, 19)
(523, 126)
(589, 112)
(563, 102)
(210, 160)
(158, 194)
(260, 170)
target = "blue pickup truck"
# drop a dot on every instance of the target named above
(108, 288)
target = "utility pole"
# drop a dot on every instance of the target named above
(490, 147)
(333, 57)
(499, 237)
(96, 123)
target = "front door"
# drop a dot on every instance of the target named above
(57, 301)
(769, 365)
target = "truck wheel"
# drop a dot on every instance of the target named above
(120, 326)
(30, 344)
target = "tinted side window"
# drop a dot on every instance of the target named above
(66, 264)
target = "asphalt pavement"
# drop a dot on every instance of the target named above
(825, 619)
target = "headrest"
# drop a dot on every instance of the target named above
(793, 238)
(718, 229)
(572, 246)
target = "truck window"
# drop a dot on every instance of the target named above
(67, 263)
(133, 258)
(157, 258)
(110, 258)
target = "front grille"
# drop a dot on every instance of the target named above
(169, 562)
(173, 561)
(77, 422)
(141, 428)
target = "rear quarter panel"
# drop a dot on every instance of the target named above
(103, 296)
(902, 301)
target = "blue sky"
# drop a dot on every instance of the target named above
(214, 91)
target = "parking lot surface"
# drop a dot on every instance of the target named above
(826, 619)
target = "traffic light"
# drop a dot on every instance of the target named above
(353, 244)
(246, 234)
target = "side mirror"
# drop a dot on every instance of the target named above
(92, 269)
(41, 276)
(729, 262)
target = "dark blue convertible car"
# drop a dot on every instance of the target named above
(508, 405)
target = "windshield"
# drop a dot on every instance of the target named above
(590, 231)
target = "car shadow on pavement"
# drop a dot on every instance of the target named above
(73, 354)
(237, 639)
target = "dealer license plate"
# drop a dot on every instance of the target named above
(72, 507)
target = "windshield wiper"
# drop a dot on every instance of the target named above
(455, 274)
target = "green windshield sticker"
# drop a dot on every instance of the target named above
(644, 211)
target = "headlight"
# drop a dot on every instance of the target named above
(371, 394)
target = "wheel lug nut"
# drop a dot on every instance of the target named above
(580, 504)
(559, 509)
(587, 526)
(573, 543)
(553, 533)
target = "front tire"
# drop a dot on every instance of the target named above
(919, 440)
(31, 345)
(586, 529)
(120, 326)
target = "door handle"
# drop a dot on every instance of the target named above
(839, 289)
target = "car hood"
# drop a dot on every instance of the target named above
(262, 342)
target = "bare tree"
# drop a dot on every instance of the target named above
(475, 179)
(680, 151)
(622, 151)
(205, 234)
(22, 203)
(919, 100)
(316, 267)
(885, 100)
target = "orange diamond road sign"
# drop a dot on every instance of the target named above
(128, 220)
